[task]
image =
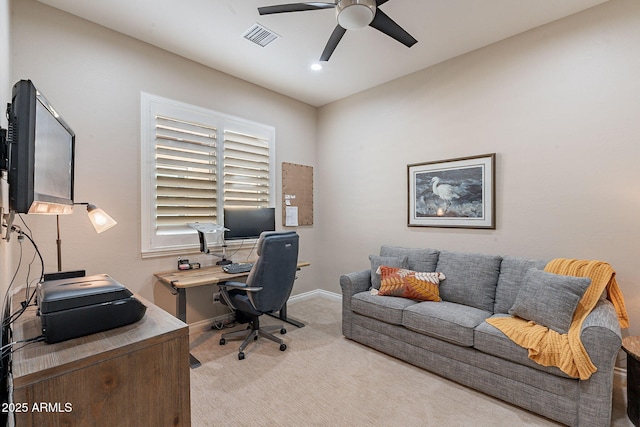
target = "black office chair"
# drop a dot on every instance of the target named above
(266, 290)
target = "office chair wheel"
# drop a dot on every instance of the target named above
(283, 347)
(283, 331)
(241, 356)
(223, 341)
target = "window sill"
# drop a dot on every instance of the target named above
(188, 250)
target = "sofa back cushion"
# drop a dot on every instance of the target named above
(471, 279)
(390, 261)
(512, 272)
(417, 259)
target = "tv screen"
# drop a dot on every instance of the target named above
(248, 223)
(41, 154)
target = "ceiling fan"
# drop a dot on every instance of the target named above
(351, 15)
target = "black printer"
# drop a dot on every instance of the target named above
(79, 306)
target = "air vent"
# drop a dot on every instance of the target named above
(260, 35)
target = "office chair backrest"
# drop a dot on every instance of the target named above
(274, 270)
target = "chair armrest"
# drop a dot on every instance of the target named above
(239, 285)
(225, 287)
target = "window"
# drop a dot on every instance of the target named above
(194, 163)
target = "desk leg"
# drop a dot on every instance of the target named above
(181, 313)
(282, 315)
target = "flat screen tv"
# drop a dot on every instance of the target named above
(248, 223)
(41, 154)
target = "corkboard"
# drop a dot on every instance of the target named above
(297, 195)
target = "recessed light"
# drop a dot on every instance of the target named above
(316, 66)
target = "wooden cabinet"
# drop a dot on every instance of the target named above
(135, 375)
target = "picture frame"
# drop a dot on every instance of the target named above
(458, 193)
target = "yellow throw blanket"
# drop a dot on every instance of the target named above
(550, 348)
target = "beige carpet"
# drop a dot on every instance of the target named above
(323, 379)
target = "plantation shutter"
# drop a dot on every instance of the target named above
(185, 174)
(246, 170)
(194, 163)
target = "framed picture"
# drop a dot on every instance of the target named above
(453, 193)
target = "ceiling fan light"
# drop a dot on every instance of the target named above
(355, 14)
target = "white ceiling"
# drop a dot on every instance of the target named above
(210, 32)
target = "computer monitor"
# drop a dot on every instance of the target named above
(248, 223)
(41, 154)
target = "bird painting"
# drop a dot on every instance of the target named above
(445, 192)
(451, 193)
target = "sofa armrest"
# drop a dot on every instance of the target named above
(601, 330)
(601, 337)
(352, 284)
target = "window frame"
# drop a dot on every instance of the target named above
(152, 243)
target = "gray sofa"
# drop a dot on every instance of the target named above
(451, 338)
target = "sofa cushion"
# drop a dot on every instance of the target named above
(391, 261)
(417, 259)
(445, 320)
(489, 339)
(400, 282)
(512, 271)
(385, 309)
(549, 299)
(471, 279)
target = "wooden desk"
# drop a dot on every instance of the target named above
(125, 376)
(181, 280)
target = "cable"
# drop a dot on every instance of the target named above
(15, 274)
(8, 320)
(8, 348)
(236, 251)
(223, 324)
(255, 243)
(26, 293)
(23, 307)
(29, 298)
(5, 302)
(38, 253)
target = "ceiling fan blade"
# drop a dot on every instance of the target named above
(295, 7)
(383, 23)
(335, 38)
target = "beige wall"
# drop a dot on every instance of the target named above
(558, 104)
(560, 107)
(94, 77)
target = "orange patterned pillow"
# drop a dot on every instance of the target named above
(399, 282)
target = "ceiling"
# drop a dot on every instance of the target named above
(210, 32)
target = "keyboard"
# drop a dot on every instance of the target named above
(239, 267)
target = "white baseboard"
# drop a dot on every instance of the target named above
(315, 293)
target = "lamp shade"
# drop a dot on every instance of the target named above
(99, 218)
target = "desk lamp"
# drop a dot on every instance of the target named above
(218, 233)
(99, 219)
